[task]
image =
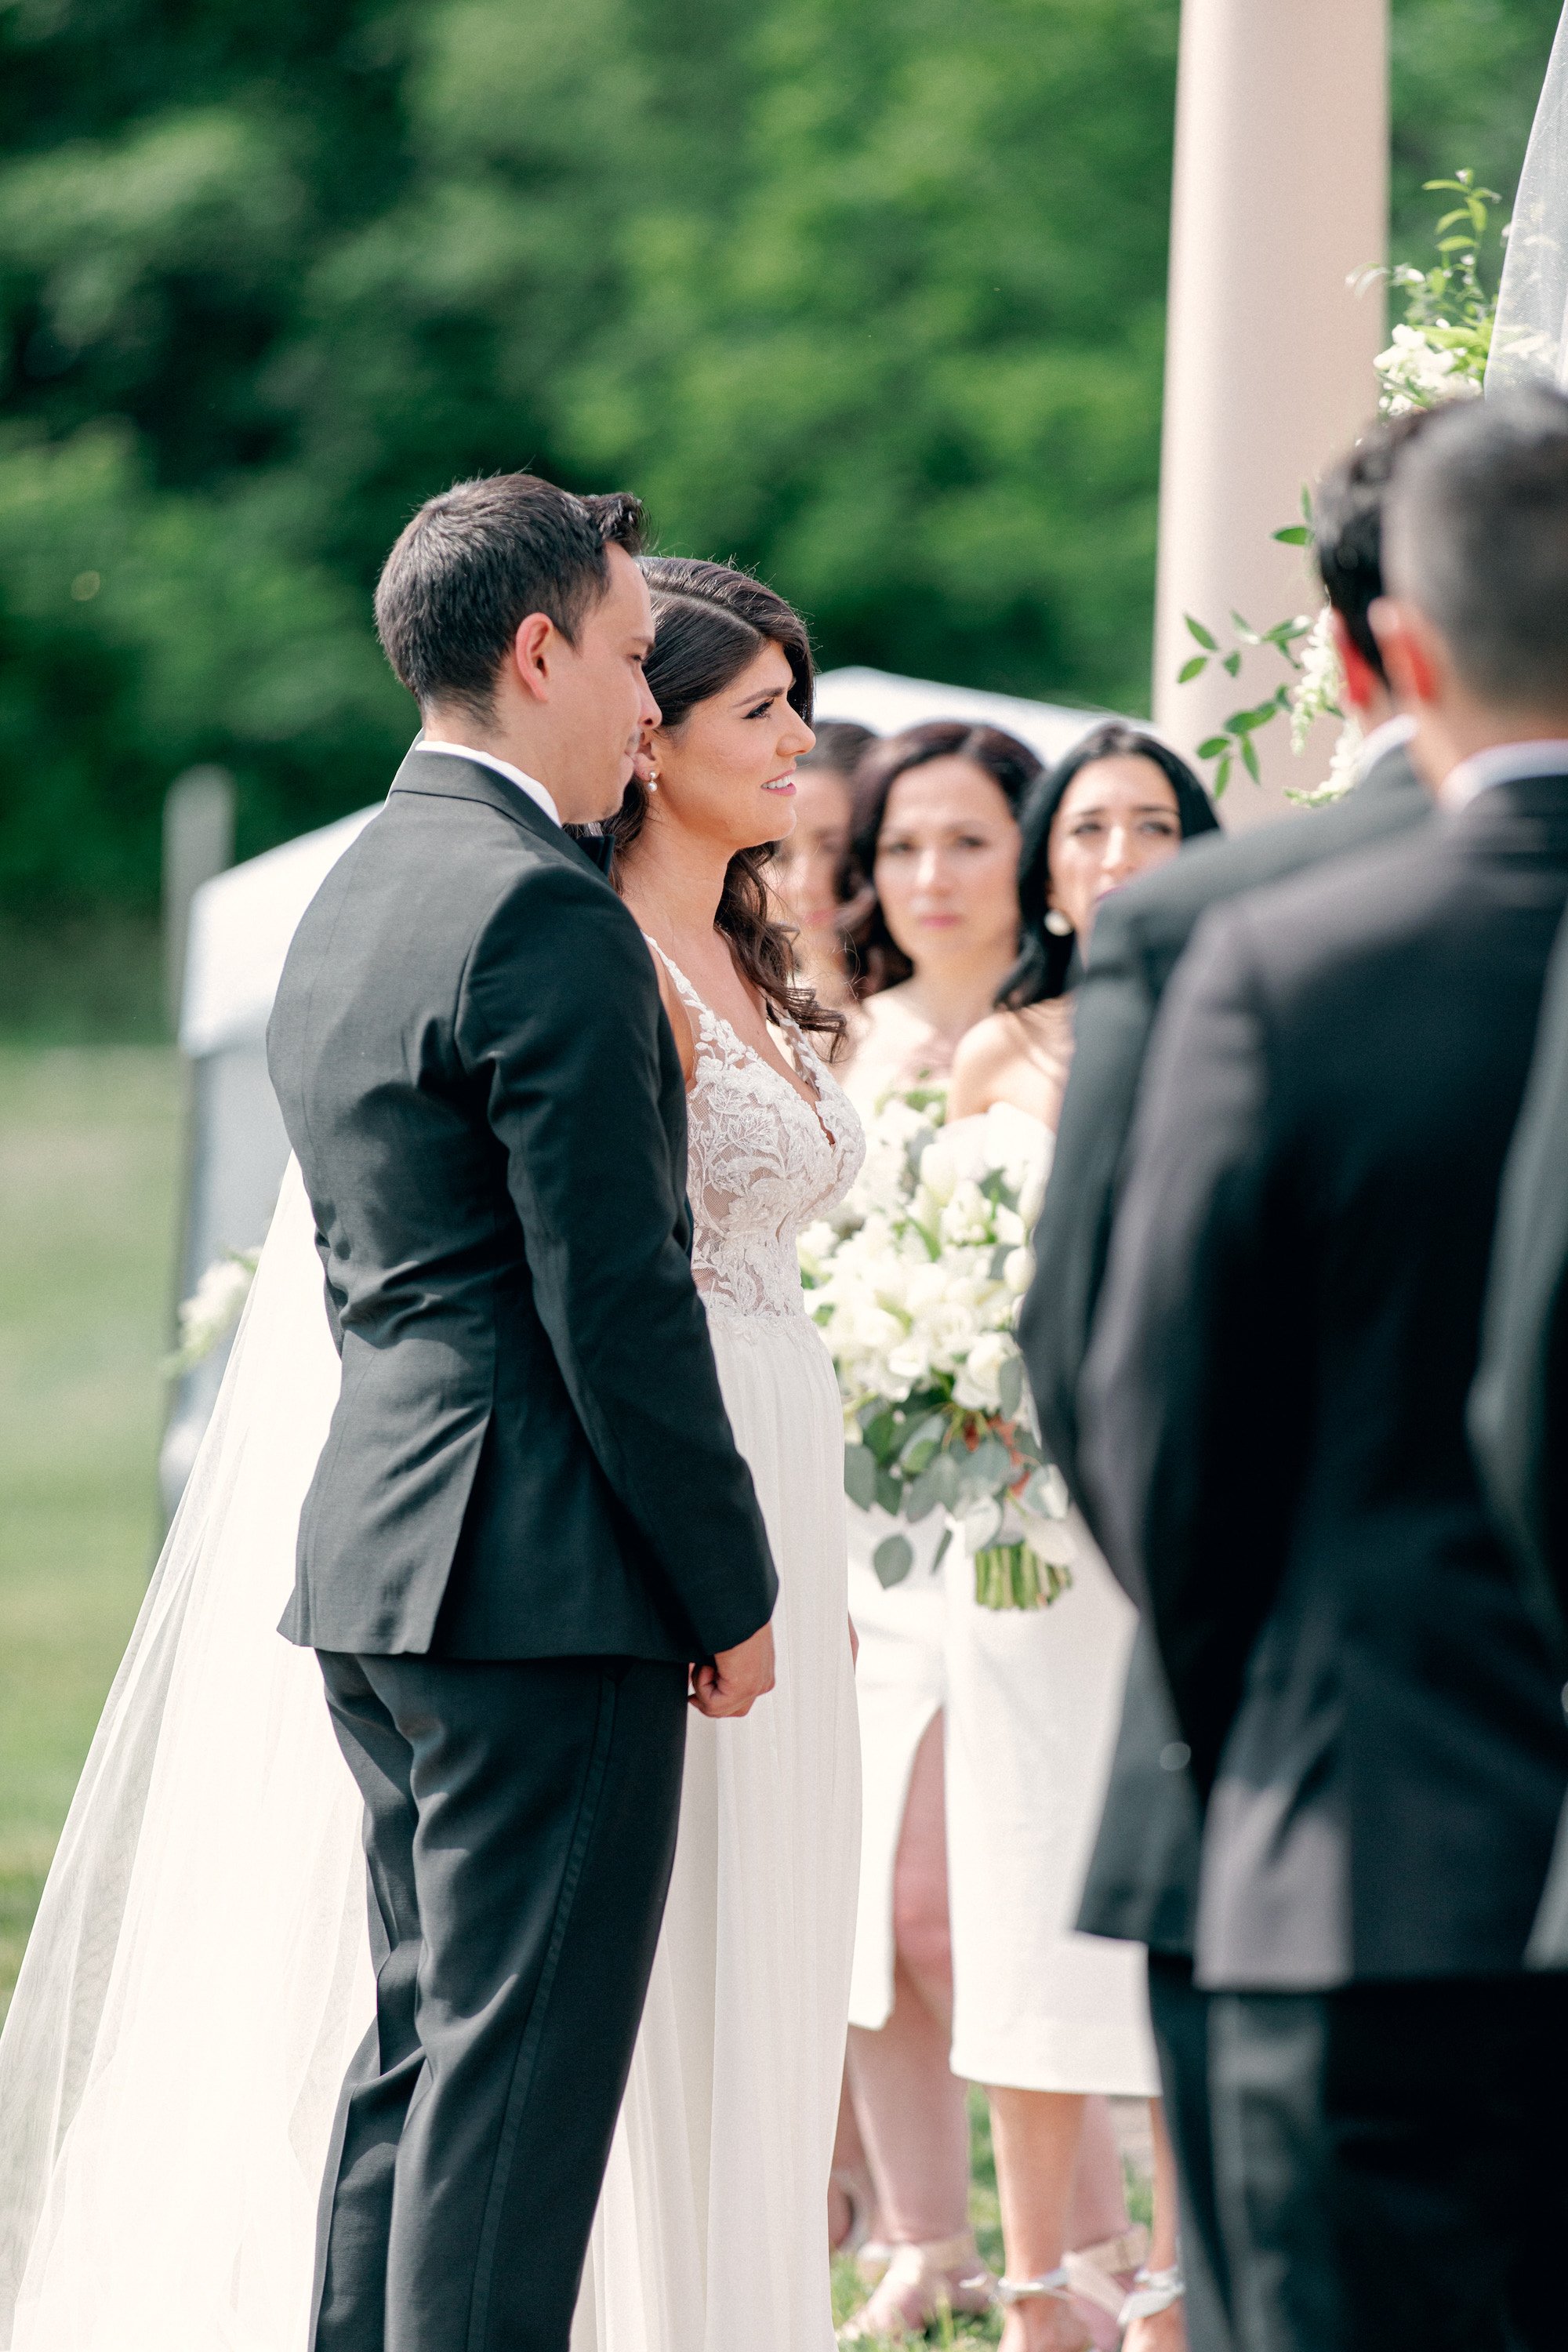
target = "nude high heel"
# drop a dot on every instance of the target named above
(920, 2283)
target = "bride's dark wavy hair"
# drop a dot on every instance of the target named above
(709, 623)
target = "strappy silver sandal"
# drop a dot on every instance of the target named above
(1052, 2286)
(1152, 2292)
(1097, 2273)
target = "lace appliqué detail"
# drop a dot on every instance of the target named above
(762, 1162)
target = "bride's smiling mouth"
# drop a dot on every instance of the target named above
(783, 785)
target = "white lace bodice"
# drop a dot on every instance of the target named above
(762, 1161)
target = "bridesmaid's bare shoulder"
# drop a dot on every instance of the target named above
(1020, 1058)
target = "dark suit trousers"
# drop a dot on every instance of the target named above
(519, 1829)
(1180, 2016)
(1394, 2165)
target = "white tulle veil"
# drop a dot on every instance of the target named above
(1529, 340)
(199, 1972)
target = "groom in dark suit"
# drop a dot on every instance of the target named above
(1143, 1876)
(1274, 1435)
(530, 1520)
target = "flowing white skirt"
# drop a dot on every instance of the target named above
(199, 1974)
(713, 2229)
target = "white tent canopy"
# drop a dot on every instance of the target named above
(879, 700)
(241, 924)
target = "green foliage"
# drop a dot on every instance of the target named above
(1233, 740)
(866, 294)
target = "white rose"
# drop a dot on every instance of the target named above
(978, 1387)
(1018, 1271)
(909, 1364)
(967, 1216)
(939, 1170)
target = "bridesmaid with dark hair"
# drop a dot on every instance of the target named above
(1120, 800)
(803, 875)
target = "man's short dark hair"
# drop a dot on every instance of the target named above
(1347, 525)
(1477, 525)
(475, 562)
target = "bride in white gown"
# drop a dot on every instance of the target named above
(200, 1954)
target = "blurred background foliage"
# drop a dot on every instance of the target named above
(865, 293)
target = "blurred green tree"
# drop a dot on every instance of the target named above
(865, 293)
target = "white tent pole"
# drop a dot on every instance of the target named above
(1281, 192)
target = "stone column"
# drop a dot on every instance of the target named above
(1281, 193)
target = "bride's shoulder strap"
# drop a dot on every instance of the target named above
(672, 993)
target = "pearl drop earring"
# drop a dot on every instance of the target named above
(651, 780)
(1057, 924)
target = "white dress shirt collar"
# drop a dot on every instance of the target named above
(1504, 764)
(529, 784)
(1388, 736)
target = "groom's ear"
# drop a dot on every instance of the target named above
(535, 652)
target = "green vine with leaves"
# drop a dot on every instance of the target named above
(1437, 352)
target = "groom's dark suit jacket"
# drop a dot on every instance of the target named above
(1275, 1395)
(1519, 1410)
(529, 1457)
(1142, 1878)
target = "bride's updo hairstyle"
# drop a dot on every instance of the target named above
(1044, 959)
(709, 623)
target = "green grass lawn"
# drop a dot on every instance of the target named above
(88, 1154)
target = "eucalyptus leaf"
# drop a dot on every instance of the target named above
(860, 1477)
(1190, 669)
(892, 1559)
(990, 1465)
(882, 1436)
(1206, 638)
(1011, 1383)
(943, 1476)
(928, 1435)
(889, 1491)
(981, 1525)
(923, 1496)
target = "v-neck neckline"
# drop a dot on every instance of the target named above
(811, 1101)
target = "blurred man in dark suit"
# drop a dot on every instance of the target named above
(1519, 1408)
(1142, 1882)
(1274, 1437)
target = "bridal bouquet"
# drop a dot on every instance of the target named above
(915, 1282)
